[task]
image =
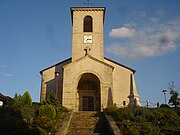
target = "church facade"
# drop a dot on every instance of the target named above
(88, 81)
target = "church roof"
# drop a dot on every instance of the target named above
(70, 59)
(120, 64)
(93, 58)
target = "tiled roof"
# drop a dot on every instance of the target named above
(2, 97)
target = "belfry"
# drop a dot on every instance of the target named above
(88, 81)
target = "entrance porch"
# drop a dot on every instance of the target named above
(89, 93)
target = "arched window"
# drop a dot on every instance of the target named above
(88, 24)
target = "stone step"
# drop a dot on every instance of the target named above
(80, 129)
(87, 123)
(84, 134)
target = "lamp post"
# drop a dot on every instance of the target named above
(164, 91)
(57, 83)
(147, 103)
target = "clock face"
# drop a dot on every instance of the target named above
(88, 39)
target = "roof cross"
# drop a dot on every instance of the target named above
(88, 3)
(87, 50)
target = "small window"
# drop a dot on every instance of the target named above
(88, 24)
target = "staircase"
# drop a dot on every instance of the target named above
(88, 123)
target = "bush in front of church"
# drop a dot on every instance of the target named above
(139, 120)
(50, 115)
(48, 111)
(24, 117)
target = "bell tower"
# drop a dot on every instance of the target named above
(87, 32)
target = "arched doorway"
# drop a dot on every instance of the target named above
(89, 92)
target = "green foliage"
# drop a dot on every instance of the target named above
(11, 122)
(28, 113)
(174, 99)
(42, 131)
(23, 117)
(51, 114)
(112, 110)
(146, 121)
(24, 100)
(48, 111)
(37, 131)
(17, 96)
(46, 123)
(51, 99)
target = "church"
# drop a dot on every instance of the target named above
(88, 81)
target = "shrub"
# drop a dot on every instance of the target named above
(42, 131)
(11, 122)
(37, 131)
(46, 123)
(113, 111)
(138, 120)
(47, 110)
(28, 113)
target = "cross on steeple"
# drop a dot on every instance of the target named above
(88, 3)
(87, 50)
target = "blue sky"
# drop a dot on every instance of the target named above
(141, 34)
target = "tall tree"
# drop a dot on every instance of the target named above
(27, 100)
(23, 100)
(174, 99)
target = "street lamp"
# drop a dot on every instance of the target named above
(164, 91)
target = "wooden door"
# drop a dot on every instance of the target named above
(88, 103)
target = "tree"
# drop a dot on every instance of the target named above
(17, 96)
(174, 99)
(51, 99)
(24, 100)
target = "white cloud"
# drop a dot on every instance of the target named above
(9, 75)
(2, 65)
(122, 32)
(155, 39)
(4, 73)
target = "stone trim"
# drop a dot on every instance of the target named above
(112, 125)
(63, 130)
(88, 8)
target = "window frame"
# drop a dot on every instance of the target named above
(88, 24)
